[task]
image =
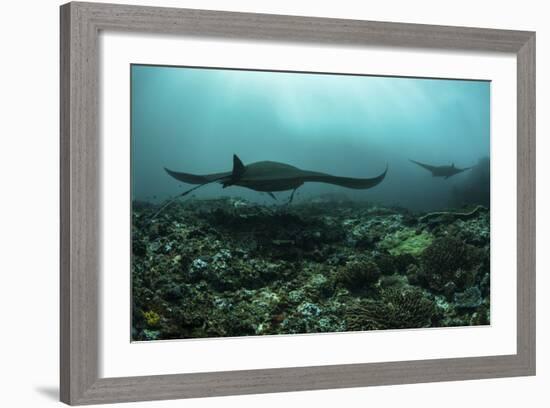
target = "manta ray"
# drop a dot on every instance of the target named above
(270, 177)
(441, 171)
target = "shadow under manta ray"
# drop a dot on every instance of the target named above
(269, 177)
(441, 171)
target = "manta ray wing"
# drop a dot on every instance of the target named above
(426, 166)
(348, 182)
(197, 178)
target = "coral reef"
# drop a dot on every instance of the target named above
(396, 309)
(228, 267)
(406, 241)
(469, 299)
(449, 216)
(358, 274)
(449, 260)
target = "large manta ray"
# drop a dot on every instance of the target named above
(441, 171)
(269, 176)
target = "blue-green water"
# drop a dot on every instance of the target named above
(193, 120)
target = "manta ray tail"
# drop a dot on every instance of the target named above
(191, 179)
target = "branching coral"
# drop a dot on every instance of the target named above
(358, 274)
(396, 309)
(449, 259)
(386, 263)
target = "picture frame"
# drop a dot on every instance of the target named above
(81, 24)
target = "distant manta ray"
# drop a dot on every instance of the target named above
(268, 177)
(441, 171)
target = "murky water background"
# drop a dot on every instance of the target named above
(194, 120)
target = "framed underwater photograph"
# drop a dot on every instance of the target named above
(329, 227)
(259, 189)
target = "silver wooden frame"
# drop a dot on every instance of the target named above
(80, 155)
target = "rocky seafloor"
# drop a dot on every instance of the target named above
(228, 267)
